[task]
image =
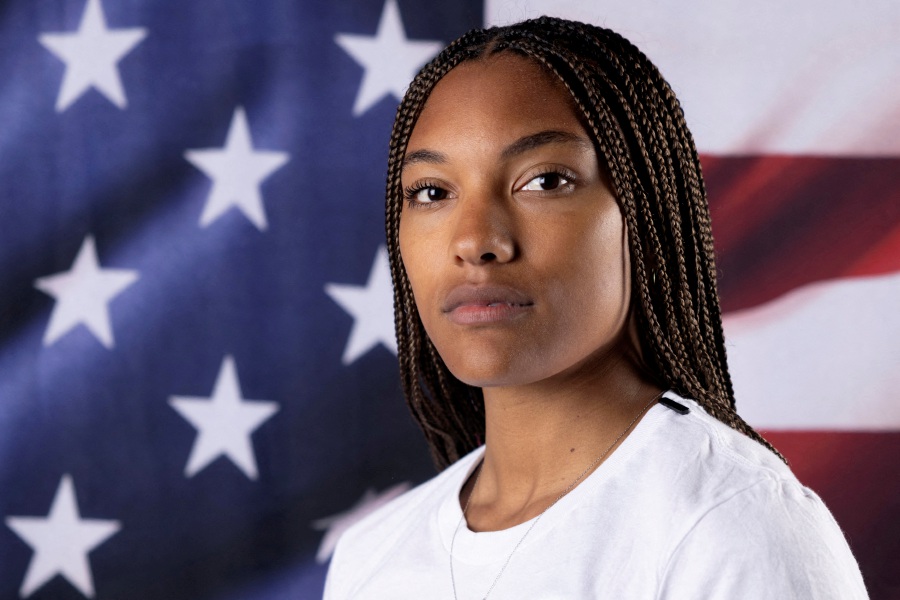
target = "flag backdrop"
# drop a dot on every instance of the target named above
(198, 389)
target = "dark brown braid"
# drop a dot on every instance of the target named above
(639, 129)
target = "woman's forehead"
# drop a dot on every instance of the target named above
(504, 95)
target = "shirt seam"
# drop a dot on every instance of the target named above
(728, 451)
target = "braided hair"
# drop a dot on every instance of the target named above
(639, 130)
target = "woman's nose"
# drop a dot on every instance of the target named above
(482, 232)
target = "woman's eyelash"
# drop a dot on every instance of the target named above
(410, 192)
(560, 171)
(560, 179)
(413, 194)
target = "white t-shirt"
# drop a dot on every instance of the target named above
(686, 508)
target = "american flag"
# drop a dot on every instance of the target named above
(198, 383)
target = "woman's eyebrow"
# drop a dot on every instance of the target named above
(521, 145)
(535, 140)
(423, 156)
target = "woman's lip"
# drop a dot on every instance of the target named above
(466, 304)
(472, 314)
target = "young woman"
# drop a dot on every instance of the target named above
(561, 346)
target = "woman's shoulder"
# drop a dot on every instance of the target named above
(687, 463)
(365, 542)
(771, 533)
(704, 465)
(772, 538)
(700, 446)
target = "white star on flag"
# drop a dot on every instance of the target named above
(335, 525)
(224, 423)
(91, 55)
(390, 59)
(61, 542)
(237, 170)
(372, 309)
(83, 294)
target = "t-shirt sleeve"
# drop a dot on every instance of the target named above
(773, 540)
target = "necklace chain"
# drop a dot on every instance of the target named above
(538, 518)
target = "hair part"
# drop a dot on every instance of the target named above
(654, 170)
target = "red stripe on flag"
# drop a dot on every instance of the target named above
(784, 221)
(858, 477)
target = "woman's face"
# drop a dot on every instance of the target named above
(511, 238)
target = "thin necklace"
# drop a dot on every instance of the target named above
(538, 518)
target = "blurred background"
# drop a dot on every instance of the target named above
(198, 382)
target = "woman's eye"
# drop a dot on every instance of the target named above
(546, 182)
(429, 194)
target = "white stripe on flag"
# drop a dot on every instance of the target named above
(825, 356)
(762, 77)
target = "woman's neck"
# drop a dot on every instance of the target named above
(541, 437)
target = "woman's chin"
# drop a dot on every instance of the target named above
(494, 371)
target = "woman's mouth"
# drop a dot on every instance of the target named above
(472, 305)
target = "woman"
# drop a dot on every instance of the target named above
(556, 301)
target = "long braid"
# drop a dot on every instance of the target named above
(638, 127)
